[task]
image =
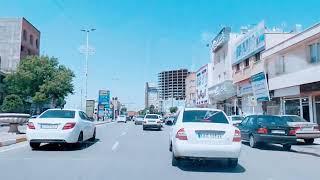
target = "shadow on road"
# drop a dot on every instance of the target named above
(66, 147)
(209, 166)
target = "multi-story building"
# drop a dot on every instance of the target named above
(222, 93)
(151, 95)
(172, 88)
(248, 68)
(18, 38)
(203, 80)
(293, 68)
(191, 89)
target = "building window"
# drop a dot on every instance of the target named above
(37, 43)
(257, 57)
(22, 48)
(238, 67)
(24, 35)
(246, 63)
(314, 52)
(31, 39)
(280, 65)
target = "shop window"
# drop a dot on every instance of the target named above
(314, 52)
(246, 63)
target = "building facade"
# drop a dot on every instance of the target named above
(293, 69)
(248, 68)
(172, 88)
(18, 38)
(222, 93)
(151, 95)
(204, 79)
(191, 89)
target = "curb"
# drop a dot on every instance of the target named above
(103, 122)
(13, 141)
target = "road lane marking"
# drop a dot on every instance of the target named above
(123, 133)
(13, 148)
(115, 146)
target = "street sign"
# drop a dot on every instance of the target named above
(90, 107)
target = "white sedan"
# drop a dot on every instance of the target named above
(60, 126)
(122, 118)
(203, 133)
(152, 121)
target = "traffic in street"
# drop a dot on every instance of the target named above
(125, 151)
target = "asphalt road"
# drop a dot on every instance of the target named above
(124, 151)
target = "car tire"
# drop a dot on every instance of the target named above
(308, 141)
(34, 146)
(287, 147)
(175, 161)
(252, 141)
(94, 135)
(233, 163)
(80, 140)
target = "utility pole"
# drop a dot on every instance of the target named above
(86, 50)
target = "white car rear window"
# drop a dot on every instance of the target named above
(205, 116)
(152, 116)
(58, 114)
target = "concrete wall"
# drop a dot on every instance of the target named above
(191, 89)
(29, 48)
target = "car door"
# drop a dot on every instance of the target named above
(250, 127)
(91, 125)
(244, 129)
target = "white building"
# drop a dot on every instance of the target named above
(191, 89)
(293, 68)
(151, 95)
(222, 92)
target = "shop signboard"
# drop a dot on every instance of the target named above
(260, 87)
(221, 38)
(251, 43)
(104, 98)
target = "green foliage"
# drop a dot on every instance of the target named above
(173, 109)
(40, 80)
(12, 104)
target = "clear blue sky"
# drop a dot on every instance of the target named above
(136, 39)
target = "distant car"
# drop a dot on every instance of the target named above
(170, 120)
(305, 130)
(60, 126)
(139, 120)
(236, 119)
(128, 118)
(204, 133)
(259, 129)
(122, 118)
(152, 121)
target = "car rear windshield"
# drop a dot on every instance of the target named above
(237, 118)
(140, 117)
(270, 120)
(58, 114)
(293, 119)
(205, 116)
(151, 116)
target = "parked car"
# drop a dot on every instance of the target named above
(60, 126)
(139, 120)
(152, 121)
(170, 120)
(128, 118)
(203, 133)
(305, 130)
(122, 118)
(259, 129)
(236, 119)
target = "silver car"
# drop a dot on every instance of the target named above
(139, 120)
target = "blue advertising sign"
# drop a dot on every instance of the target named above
(260, 87)
(104, 98)
(251, 43)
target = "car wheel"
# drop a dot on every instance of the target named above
(80, 140)
(175, 161)
(287, 147)
(233, 163)
(34, 145)
(94, 135)
(308, 141)
(252, 141)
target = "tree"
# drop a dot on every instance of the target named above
(12, 103)
(173, 109)
(39, 80)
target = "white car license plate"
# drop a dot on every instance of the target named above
(209, 135)
(277, 131)
(49, 126)
(307, 129)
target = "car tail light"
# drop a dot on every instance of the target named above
(294, 131)
(237, 136)
(181, 134)
(31, 125)
(262, 131)
(69, 125)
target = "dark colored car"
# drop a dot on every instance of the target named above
(259, 129)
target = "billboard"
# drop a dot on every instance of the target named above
(260, 87)
(104, 98)
(202, 85)
(90, 107)
(251, 43)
